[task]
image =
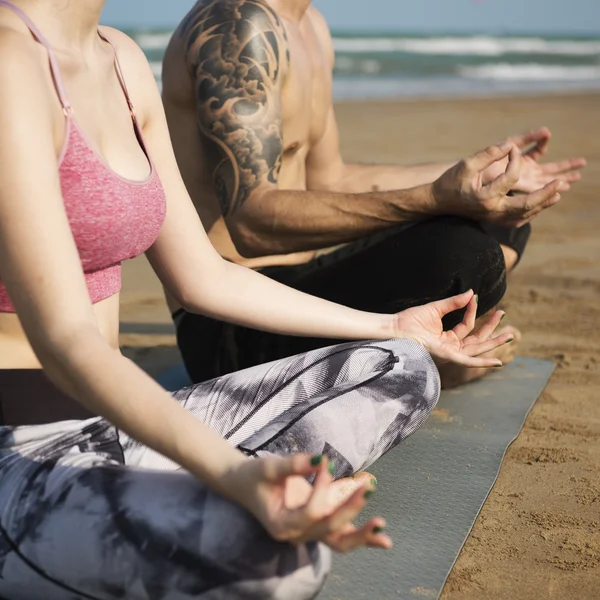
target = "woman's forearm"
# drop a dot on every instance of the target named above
(245, 297)
(110, 385)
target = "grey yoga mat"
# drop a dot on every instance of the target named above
(432, 487)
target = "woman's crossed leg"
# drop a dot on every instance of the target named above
(93, 514)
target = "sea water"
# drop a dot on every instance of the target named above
(396, 65)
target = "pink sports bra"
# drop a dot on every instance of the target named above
(112, 218)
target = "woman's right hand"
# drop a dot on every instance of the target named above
(276, 492)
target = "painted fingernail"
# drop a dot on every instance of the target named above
(331, 467)
(378, 529)
(476, 298)
(316, 460)
(509, 341)
(498, 366)
(502, 317)
(374, 482)
(368, 494)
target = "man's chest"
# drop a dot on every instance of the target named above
(306, 95)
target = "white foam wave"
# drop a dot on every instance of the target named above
(530, 72)
(476, 46)
(153, 41)
(344, 64)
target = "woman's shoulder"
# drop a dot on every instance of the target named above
(17, 47)
(125, 46)
(134, 64)
(21, 68)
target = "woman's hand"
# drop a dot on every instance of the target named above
(276, 492)
(424, 325)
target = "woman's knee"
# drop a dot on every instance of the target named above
(415, 373)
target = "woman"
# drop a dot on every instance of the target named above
(93, 503)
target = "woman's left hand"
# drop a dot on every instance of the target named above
(424, 325)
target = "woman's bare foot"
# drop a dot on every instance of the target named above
(453, 375)
(343, 488)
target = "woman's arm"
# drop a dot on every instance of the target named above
(201, 281)
(41, 269)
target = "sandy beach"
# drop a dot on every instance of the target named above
(538, 535)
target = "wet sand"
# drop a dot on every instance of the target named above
(538, 535)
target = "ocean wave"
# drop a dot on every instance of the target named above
(475, 46)
(153, 41)
(529, 72)
(344, 64)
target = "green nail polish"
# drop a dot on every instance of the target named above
(374, 482)
(510, 340)
(316, 460)
(476, 298)
(368, 494)
(332, 467)
(378, 529)
(502, 317)
(498, 366)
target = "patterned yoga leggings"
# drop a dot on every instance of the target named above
(88, 513)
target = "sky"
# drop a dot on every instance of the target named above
(494, 16)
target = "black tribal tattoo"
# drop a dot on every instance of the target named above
(236, 50)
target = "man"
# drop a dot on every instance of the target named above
(247, 90)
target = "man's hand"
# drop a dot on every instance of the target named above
(533, 145)
(461, 190)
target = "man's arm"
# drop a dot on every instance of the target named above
(326, 169)
(237, 54)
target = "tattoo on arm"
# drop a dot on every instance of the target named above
(236, 51)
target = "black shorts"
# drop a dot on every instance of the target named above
(385, 273)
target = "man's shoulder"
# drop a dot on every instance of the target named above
(318, 19)
(208, 14)
(322, 30)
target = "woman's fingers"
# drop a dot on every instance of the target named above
(276, 468)
(319, 505)
(448, 305)
(478, 348)
(370, 534)
(464, 328)
(340, 516)
(487, 328)
(459, 357)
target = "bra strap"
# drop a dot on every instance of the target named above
(54, 68)
(120, 77)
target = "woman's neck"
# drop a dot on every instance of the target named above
(69, 25)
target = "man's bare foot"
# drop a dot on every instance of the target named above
(453, 375)
(343, 488)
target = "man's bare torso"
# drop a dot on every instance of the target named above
(306, 98)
